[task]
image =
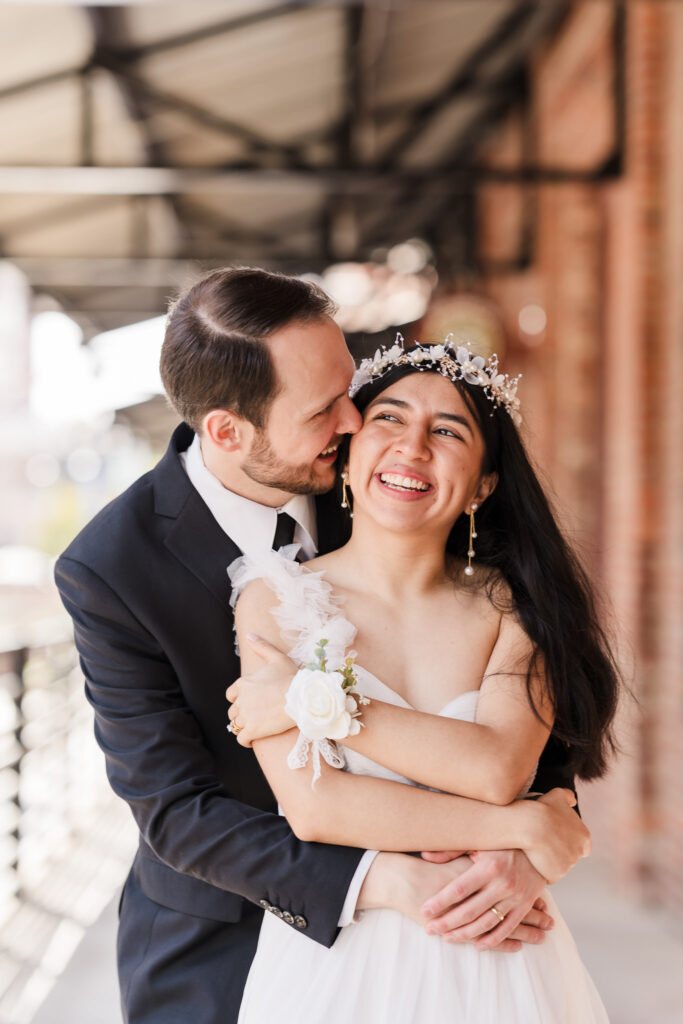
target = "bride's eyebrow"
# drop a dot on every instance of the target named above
(439, 416)
(389, 401)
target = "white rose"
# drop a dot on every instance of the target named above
(318, 704)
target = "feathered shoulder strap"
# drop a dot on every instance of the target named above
(307, 609)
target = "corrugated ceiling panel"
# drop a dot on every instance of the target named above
(104, 232)
(38, 40)
(264, 211)
(41, 126)
(427, 43)
(281, 77)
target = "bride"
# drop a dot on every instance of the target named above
(474, 634)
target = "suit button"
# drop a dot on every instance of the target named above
(300, 921)
(277, 911)
(288, 917)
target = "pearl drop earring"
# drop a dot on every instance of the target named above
(469, 570)
(345, 498)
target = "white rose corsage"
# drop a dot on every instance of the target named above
(325, 705)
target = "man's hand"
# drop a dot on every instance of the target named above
(558, 837)
(461, 911)
(405, 883)
(258, 700)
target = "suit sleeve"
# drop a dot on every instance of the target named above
(158, 763)
(553, 770)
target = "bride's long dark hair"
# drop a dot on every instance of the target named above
(518, 536)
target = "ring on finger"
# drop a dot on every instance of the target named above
(498, 914)
(234, 728)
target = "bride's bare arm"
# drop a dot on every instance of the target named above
(490, 759)
(357, 810)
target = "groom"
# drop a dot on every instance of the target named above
(254, 364)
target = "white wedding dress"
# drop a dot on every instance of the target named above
(384, 968)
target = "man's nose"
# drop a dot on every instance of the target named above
(350, 419)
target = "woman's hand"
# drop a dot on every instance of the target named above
(258, 700)
(558, 837)
(502, 879)
(407, 883)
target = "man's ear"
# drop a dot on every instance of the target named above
(487, 486)
(226, 430)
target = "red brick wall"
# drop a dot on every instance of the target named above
(603, 390)
(666, 511)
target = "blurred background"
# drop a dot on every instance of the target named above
(510, 172)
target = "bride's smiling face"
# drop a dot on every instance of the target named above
(416, 463)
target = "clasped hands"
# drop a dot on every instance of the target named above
(463, 888)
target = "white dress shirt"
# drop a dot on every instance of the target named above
(252, 527)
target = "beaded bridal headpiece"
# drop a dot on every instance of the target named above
(456, 363)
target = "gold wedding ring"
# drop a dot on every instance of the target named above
(234, 728)
(496, 911)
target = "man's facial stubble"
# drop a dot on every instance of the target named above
(264, 467)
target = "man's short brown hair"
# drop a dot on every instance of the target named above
(214, 354)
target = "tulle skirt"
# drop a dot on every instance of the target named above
(385, 969)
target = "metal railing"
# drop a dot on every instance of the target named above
(65, 840)
(50, 768)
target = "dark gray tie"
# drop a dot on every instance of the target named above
(284, 531)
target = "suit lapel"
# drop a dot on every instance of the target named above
(192, 534)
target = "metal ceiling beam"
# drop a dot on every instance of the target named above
(131, 181)
(107, 23)
(437, 207)
(504, 90)
(108, 26)
(105, 272)
(347, 155)
(42, 82)
(257, 143)
(464, 79)
(135, 53)
(109, 274)
(337, 223)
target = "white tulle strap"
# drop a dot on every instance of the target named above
(307, 610)
(315, 749)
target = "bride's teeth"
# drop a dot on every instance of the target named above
(404, 482)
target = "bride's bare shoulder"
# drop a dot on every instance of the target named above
(323, 563)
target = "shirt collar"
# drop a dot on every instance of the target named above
(250, 525)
